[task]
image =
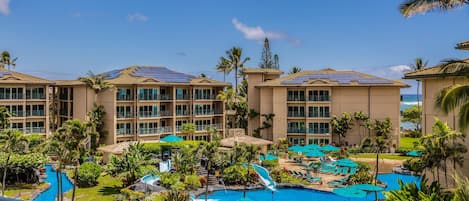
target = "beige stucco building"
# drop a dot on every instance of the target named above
(304, 103)
(432, 83)
(147, 103)
(26, 98)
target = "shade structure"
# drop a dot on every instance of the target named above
(367, 187)
(297, 148)
(171, 138)
(315, 153)
(268, 157)
(349, 192)
(414, 153)
(312, 146)
(329, 148)
(345, 163)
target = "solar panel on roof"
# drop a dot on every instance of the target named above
(111, 74)
(162, 74)
(343, 78)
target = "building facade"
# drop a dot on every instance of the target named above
(147, 103)
(27, 99)
(432, 83)
(304, 103)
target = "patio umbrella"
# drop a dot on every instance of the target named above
(349, 192)
(171, 138)
(329, 148)
(414, 153)
(315, 153)
(346, 163)
(268, 157)
(297, 148)
(312, 146)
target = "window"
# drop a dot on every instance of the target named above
(124, 129)
(295, 95)
(124, 111)
(318, 95)
(35, 93)
(321, 111)
(203, 94)
(201, 125)
(318, 128)
(148, 94)
(11, 93)
(35, 127)
(148, 128)
(203, 109)
(182, 94)
(124, 94)
(15, 110)
(148, 111)
(296, 111)
(182, 110)
(296, 127)
(35, 110)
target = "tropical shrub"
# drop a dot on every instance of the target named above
(363, 166)
(129, 195)
(171, 195)
(235, 174)
(178, 186)
(411, 192)
(22, 167)
(270, 163)
(88, 174)
(280, 176)
(168, 179)
(156, 148)
(361, 177)
(192, 182)
(35, 140)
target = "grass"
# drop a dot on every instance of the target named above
(105, 190)
(408, 142)
(24, 191)
(381, 156)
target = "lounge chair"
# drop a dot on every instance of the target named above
(353, 170)
(344, 171)
(338, 171)
(313, 179)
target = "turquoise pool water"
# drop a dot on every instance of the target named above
(293, 194)
(150, 179)
(51, 193)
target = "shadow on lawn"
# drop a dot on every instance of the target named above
(110, 190)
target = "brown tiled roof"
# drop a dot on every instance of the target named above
(262, 70)
(244, 139)
(463, 45)
(431, 72)
(302, 76)
(12, 77)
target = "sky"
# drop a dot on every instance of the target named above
(64, 39)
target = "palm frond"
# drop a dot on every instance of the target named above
(412, 7)
(455, 66)
(450, 98)
(464, 116)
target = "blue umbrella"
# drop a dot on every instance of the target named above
(346, 163)
(312, 146)
(329, 148)
(297, 148)
(171, 138)
(315, 153)
(268, 157)
(349, 192)
(414, 153)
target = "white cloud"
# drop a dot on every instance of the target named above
(256, 33)
(5, 7)
(400, 69)
(137, 17)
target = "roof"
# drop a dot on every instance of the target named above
(12, 77)
(68, 82)
(432, 72)
(152, 75)
(463, 45)
(118, 148)
(244, 139)
(331, 77)
(263, 70)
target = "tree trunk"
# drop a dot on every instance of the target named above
(5, 174)
(236, 80)
(246, 185)
(61, 185)
(377, 167)
(208, 176)
(75, 180)
(58, 182)
(446, 174)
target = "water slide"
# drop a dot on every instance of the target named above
(165, 166)
(265, 177)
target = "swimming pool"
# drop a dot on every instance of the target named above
(295, 194)
(150, 179)
(51, 193)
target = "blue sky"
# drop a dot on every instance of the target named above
(59, 39)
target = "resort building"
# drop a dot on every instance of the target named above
(147, 103)
(26, 98)
(304, 103)
(432, 83)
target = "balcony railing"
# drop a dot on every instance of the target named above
(204, 127)
(205, 97)
(296, 114)
(126, 97)
(121, 115)
(319, 98)
(36, 96)
(325, 114)
(148, 114)
(182, 97)
(148, 131)
(124, 131)
(296, 98)
(296, 130)
(182, 113)
(33, 130)
(318, 131)
(147, 97)
(204, 112)
(37, 113)
(17, 114)
(11, 96)
(166, 97)
(166, 113)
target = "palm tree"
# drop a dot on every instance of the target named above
(96, 121)
(250, 154)
(4, 117)
(209, 151)
(97, 83)
(225, 67)
(295, 69)
(361, 118)
(461, 191)
(189, 129)
(234, 61)
(419, 65)
(381, 139)
(12, 141)
(412, 7)
(6, 60)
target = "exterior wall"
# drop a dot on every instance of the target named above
(279, 125)
(254, 100)
(430, 89)
(266, 98)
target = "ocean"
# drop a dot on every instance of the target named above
(409, 100)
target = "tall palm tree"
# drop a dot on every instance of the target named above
(295, 69)
(381, 139)
(419, 65)
(412, 7)
(209, 152)
(11, 141)
(97, 83)
(4, 117)
(225, 67)
(189, 129)
(234, 60)
(6, 60)
(251, 153)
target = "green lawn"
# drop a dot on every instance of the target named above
(381, 156)
(24, 191)
(106, 189)
(408, 142)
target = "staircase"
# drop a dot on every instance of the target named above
(203, 172)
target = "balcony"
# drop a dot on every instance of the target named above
(296, 130)
(205, 97)
(11, 96)
(123, 115)
(182, 113)
(126, 97)
(295, 98)
(318, 131)
(148, 97)
(124, 131)
(166, 113)
(204, 112)
(147, 114)
(36, 96)
(17, 114)
(182, 97)
(166, 97)
(296, 114)
(164, 129)
(147, 131)
(319, 98)
(35, 113)
(323, 115)
(204, 127)
(35, 130)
